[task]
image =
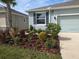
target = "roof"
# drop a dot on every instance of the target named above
(1, 6)
(14, 11)
(69, 4)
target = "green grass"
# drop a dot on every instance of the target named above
(8, 52)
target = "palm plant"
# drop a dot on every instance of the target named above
(9, 3)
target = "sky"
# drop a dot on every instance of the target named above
(23, 5)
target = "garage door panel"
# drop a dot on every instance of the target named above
(69, 23)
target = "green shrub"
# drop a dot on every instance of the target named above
(31, 28)
(34, 30)
(54, 29)
(40, 30)
(2, 37)
(50, 43)
(16, 40)
(42, 35)
(30, 35)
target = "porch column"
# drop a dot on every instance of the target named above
(49, 15)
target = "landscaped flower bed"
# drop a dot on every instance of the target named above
(41, 40)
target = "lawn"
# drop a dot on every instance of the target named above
(9, 52)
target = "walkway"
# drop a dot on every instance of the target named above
(69, 43)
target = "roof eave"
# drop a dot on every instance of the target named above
(54, 8)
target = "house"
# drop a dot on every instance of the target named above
(19, 20)
(66, 14)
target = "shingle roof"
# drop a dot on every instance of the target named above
(74, 3)
(14, 11)
(2, 6)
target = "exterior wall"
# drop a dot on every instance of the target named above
(36, 26)
(52, 17)
(2, 10)
(65, 16)
(42, 26)
(55, 14)
(31, 19)
(2, 21)
(63, 12)
(69, 23)
(20, 22)
(66, 11)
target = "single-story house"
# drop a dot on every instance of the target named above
(19, 20)
(66, 14)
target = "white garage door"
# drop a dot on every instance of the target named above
(69, 23)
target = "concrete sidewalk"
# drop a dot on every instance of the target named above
(69, 43)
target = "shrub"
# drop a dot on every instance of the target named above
(50, 43)
(39, 30)
(2, 37)
(13, 32)
(8, 39)
(27, 30)
(17, 40)
(32, 37)
(34, 30)
(22, 34)
(31, 27)
(54, 29)
(42, 36)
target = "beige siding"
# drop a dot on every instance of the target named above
(2, 10)
(2, 21)
(20, 22)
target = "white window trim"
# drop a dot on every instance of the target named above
(40, 18)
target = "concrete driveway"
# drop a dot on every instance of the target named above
(69, 43)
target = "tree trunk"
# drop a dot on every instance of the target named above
(9, 16)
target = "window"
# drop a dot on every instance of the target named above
(40, 18)
(24, 20)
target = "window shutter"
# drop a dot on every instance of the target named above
(34, 18)
(47, 18)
